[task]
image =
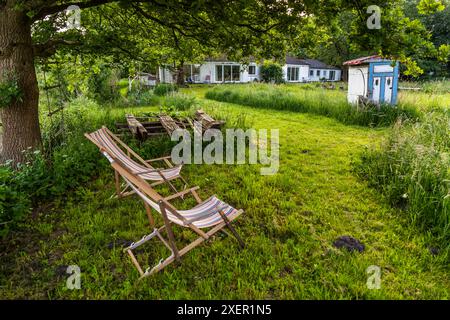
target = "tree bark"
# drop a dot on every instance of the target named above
(180, 74)
(21, 118)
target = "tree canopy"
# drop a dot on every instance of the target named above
(176, 31)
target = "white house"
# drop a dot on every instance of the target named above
(224, 71)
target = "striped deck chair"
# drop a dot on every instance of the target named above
(109, 142)
(212, 214)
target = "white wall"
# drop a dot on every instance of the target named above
(206, 69)
(325, 73)
(165, 75)
(303, 74)
(357, 82)
(209, 69)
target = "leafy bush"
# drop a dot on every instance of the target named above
(14, 203)
(179, 101)
(326, 103)
(142, 98)
(412, 169)
(163, 89)
(271, 72)
(71, 161)
(9, 92)
(102, 83)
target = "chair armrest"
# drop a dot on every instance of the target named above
(182, 193)
(159, 159)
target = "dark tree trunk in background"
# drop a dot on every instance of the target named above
(20, 119)
(180, 74)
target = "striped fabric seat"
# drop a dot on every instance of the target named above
(204, 215)
(104, 139)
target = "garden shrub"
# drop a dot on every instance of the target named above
(71, 161)
(14, 203)
(163, 89)
(179, 101)
(271, 72)
(142, 98)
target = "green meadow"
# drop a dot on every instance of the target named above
(338, 175)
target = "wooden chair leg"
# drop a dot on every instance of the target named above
(233, 231)
(236, 235)
(185, 250)
(149, 215)
(169, 232)
(135, 262)
(117, 182)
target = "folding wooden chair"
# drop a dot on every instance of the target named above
(108, 141)
(212, 214)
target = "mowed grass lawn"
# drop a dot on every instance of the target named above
(290, 223)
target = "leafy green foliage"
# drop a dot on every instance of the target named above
(162, 89)
(271, 72)
(179, 101)
(40, 178)
(14, 203)
(405, 34)
(10, 92)
(142, 98)
(430, 6)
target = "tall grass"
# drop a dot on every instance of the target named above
(412, 169)
(329, 103)
(430, 87)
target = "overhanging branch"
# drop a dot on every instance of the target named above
(47, 49)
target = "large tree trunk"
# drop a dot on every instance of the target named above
(20, 119)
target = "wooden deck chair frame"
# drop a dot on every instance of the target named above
(165, 207)
(122, 191)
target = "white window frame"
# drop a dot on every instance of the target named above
(252, 66)
(231, 65)
(332, 72)
(296, 73)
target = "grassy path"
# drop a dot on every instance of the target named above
(290, 223)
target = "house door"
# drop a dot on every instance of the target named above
(388, 90)
(376, 89)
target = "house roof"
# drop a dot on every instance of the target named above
(312, 63)
(362, 60)
(296, 61)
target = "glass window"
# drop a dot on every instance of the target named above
(311, 73)
(332, 75)
(252, 70)
(236, 73)
(227, 73)
(292, 73)
(318, 73)
(219, 73)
